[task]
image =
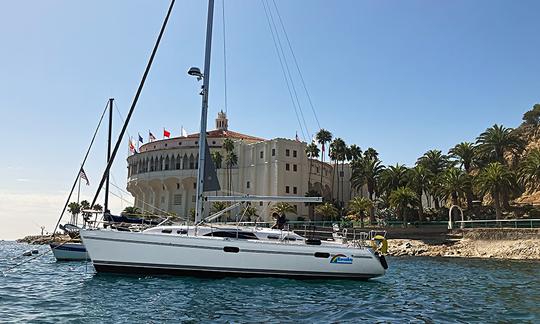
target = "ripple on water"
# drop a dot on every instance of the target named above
(428, 290)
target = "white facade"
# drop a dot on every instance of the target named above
(164, 173)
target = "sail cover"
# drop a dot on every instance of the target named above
(211, 182)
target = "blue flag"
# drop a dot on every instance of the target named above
(140, 138)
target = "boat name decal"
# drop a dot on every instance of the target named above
(341, 259)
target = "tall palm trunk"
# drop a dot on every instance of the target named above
(497, 203)
(309, 174)
(421, 207)
(333, 180)
(454, 198)
(342, 176)
(372, 208)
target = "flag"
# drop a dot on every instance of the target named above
(131, 146)
(151, 137)
(140, 138)
(184, 132)
(297, 138)
(166, 133)
(83, 176)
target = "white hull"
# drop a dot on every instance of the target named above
(127, 252)
(69, 252)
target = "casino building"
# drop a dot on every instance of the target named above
(163, 174)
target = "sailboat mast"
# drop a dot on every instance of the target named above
(109, 142)
(204, 113)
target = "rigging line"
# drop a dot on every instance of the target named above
(82, 165)
(283, 70)
(296, 64)
(288, 70)
(133, 104)
(121, 118)
(224, 56)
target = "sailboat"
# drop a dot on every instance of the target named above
(204, 250)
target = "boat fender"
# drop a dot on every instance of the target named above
(380, 244)
(27, 253)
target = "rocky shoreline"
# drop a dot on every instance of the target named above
(43, 239)
(516, 244)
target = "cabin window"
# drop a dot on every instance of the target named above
(182, 231)
(231, 249)
(322, 255)
(272, 237)
(290, 238)
(166, 231)
(287, 152)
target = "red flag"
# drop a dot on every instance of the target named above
(131, 146)
(166, 133)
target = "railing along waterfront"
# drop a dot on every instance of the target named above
(501, 223)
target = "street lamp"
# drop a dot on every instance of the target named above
(196, 72)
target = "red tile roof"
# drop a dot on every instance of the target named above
(220, 133)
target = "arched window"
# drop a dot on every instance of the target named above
(178, 162)
(167, 161)
(152, 164)
(160, 164)
(191, 162)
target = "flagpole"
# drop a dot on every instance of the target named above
(79, 191)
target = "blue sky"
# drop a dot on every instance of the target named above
(400, 76)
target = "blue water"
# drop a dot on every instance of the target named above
(415, 289)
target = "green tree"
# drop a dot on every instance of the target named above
(338, 149)
(420, 181)
(231, 159)
(131, 211)
(360, 206)
(367, 171)
(354, 153)
(529, 171)
(465, 154)
(218, 206)
(282, 208)
(323, 137)
(249, 212)
(217, 157)
(455, 184)
(74, 209)
(494, 179)
(496, 141)
(403, 199)
(312, 152)
(436, 163)
(371, 154)
(326, 211)
(532, 117)
(394, 176)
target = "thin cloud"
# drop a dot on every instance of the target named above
(22, 180)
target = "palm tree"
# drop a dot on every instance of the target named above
(436, 163)
(326, 210)
(217, 157)
(74, 208)
(359, 206)
(494, 179)
(371, 153)
(455, 183)
(420, 180)
(403, 199)
(312, 152)
(494, 143)
(333, 155)
(131, 211)
(338, 151)
(497, 140)
(323, 137)
(282, 208)
(394, 176)
(249, 211)
(367, 171)
(218, 206)
(98, 207)
(354, 153)
(465, 153)
(529, 172)
(311, 205)
(230, 160)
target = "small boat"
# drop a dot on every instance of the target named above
(70, 251)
